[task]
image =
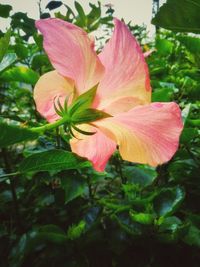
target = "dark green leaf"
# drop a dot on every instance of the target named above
(188, 134)
(5, 10)
(52, 233)
(45, 15)
(191, 43)
(180, 16)
(171, 229)
(21, 21)
(143, 176)
(11, 134)
(74, 187)
(40, 61)
(168, 200)
(193, 236)
(52, 160)
(53, 5)
(21, 51)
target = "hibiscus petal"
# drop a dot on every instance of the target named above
(71, 52)
(126, 72)
(146, 134)
(97, 148)
(50, 87)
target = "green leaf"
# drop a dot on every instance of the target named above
(179, 16)
(88, 115)
(171, 229)
(21, 21)
(8, 60)
(143, 176)
(20, 74)
(5, 10)
(21, 51)
(164, 47)
(143, 218)
(162, 95)
(52, 233)
(35, 239)
(76, 230)
(45, 15)
(193, 236)
(186, 112)
(4, 43)
(39, 61)
(94, 17)
(11, 134)
(84, 101)
(191, 43)
(53, 5)
(127, 224)
(188, 134)
(74, 187)
(81, 13)
(168, 200)
(52, 160)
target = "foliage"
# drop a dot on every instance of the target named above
(180, 16)
(55, 209)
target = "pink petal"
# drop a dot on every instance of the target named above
(49, 87)
(71, 52)
(97, 148)
(122, 104)
(146, 134)
(126, 72)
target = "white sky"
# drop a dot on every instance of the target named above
(139, 11)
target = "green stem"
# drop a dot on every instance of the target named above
(8, 168)
(90, 189)
(9, 174)
(51, 126)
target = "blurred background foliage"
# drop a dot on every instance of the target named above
(68, 215)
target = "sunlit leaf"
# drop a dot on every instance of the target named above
(4, 43)
(20, 74)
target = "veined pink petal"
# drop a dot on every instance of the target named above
(97, 148)
(126, 72)
(122, 104)
(146, 134)
(48, 89)
(71, 52)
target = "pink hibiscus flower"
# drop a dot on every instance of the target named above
(145, 132)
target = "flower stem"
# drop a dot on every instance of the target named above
(51, 126)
